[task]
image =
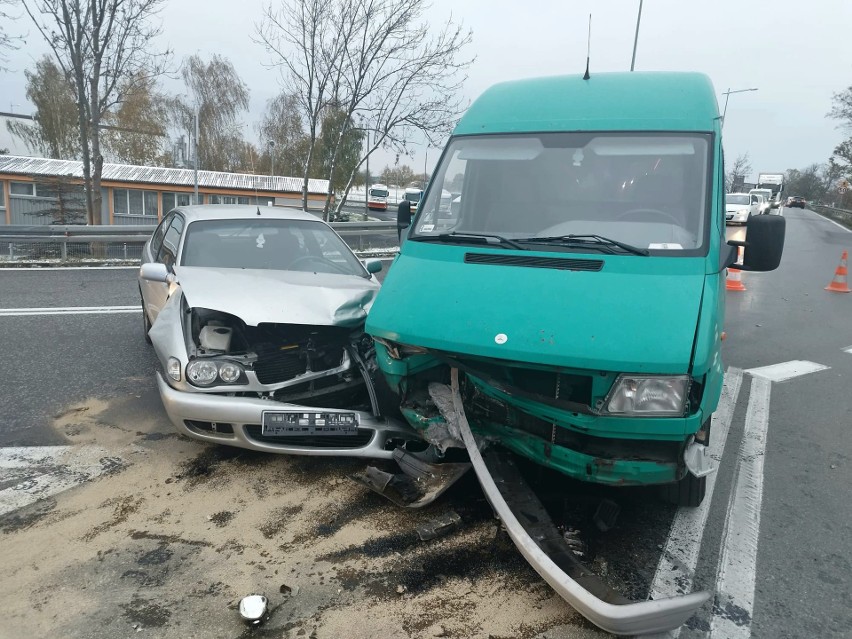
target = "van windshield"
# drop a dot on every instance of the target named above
(648, 191)
(736, 198)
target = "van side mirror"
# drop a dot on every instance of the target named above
(403, 217)
(373, 265)
(764, 243)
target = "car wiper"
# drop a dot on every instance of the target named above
(587, 240)
(484, 238)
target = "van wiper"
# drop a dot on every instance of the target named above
(587, 240)
(479, 238)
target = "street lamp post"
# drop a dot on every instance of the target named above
(636, 37)
(271, 145)
(727, 95)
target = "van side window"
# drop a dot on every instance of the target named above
(171, 242)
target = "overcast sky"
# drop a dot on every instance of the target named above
(796, 53)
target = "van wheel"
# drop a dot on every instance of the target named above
(688, 492)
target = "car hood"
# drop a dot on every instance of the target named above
(636, 314)
(279, 297)
(733, 208)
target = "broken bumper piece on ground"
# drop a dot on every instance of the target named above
(584, 591)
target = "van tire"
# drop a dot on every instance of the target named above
(688, 492)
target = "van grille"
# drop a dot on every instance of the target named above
(557, 263)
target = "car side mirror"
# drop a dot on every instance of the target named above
(403, 217)
(373, 266)
(156, 272)
(764, 243)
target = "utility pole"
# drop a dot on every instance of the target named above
(271, 145)
(727, 95)
(367, 177)
(195, 158)
(636, 37)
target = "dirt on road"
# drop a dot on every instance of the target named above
(167, 542)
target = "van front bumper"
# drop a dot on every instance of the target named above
(236, 421)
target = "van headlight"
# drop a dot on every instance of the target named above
(648, 396)
(206, 372)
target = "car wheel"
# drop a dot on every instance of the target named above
(688, 492)
(146, 324)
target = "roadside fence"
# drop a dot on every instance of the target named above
(73, 244)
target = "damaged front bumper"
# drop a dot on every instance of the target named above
(236, 421)
(629, 618)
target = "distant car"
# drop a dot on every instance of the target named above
(766, 194)
(739, 207)
(257, 318)
(794, 201)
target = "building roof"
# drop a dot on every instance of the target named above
(605, 102)
(158, 175)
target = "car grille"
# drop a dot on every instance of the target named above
(359, 440)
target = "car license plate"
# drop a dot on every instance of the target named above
(290, 423)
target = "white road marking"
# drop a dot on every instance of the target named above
(37, 269)
(786, 370)
(36, 472)
(734, 604)
(848, 349)
(837, 224)
(69, 310)
(676, 568)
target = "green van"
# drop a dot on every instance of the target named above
(577, 280)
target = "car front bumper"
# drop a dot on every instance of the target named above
(736, 218)
(236, 421)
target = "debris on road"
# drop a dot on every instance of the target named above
(606, 515)
(254, 609)
(439, 526)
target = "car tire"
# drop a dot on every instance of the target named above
(688, 492)
(146, 324)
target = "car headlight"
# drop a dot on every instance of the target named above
(202, 372)
(743, 212)
(648, 395)
(173, 368)
(206, 372)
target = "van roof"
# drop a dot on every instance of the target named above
(605, 102)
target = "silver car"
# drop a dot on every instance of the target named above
(257, 317)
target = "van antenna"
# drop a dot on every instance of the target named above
(586, 76)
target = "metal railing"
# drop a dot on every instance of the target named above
(122, 244)
(840, 215)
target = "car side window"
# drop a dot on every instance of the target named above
(157, 238)
(171, 241)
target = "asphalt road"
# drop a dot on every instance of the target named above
(790, 532)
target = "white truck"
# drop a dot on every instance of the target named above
(774, 182)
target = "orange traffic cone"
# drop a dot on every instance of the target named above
(735, 276)
(839, 284)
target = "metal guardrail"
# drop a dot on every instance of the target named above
(72, 242)
(840, 215)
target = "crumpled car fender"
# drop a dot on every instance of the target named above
(167, 332)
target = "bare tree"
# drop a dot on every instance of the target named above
(305, 44)
(738, 172)
(282, 136)
(7, 42)
(377, 63)
(99, 44)
(220, 96)
(136, 133)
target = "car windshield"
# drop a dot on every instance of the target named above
(648, 191)
(413, 197)
(270, 244)
(378, 193)
(736, 198)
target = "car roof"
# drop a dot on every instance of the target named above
(242, 211)
(605, 102)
